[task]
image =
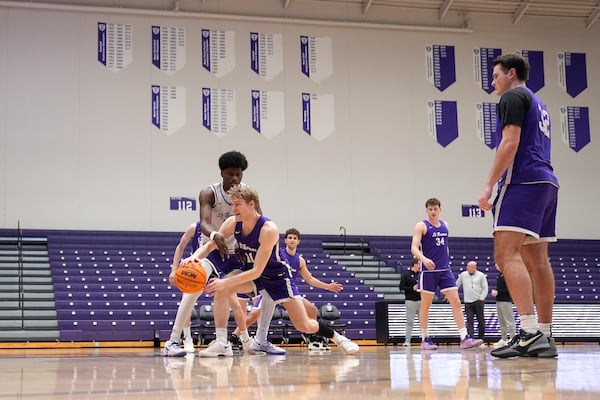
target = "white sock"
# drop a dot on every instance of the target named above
(187, 332)
(546, 329)
(529, 323)
(463, 333)
(221, 335)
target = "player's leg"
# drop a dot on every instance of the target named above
(314, 341)
(299, 318)
(172, 348)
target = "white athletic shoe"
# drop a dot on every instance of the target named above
(188, 345)
(216, 349)
(500, 343)
(267, 347)
(172, 349)
(347, 345)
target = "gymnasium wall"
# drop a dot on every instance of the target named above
(78, 149)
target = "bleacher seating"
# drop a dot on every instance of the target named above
(114, 285)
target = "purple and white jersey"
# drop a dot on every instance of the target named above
(221, 210)
(248, 247)
(434, 245)
(520, 106)
(292, 260)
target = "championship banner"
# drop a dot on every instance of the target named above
(318, 115)
(486, 116)
(442, 118)
(218, 110)
(266, 54)
(168, 48)
(316, 61)
(575, 127)
(218, 51)
(483, 68)
(572, 73)
(440, 65)
(267, 112)
(535, 59)
(168, 108)
(115, 45)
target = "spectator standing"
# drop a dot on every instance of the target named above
(475, 290)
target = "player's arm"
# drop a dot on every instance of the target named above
(183, 242)
(315, 282)
(507, 149)
(207, 201)
(226, 230)
(415, 247)
(268, 238)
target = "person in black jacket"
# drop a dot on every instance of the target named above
(504, 310)
(412, 301)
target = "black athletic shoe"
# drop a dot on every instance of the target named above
(236, 343)
(523, 345)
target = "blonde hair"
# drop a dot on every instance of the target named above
(245, 193)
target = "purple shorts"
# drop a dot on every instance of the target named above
(224, 267)
(443, 279)
(279, 288)
(529, 209)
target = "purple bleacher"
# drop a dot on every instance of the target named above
(126, 273)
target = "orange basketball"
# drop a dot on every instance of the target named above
(190, 277)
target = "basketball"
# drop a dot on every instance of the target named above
(190, 277)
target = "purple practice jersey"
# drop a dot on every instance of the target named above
(434, 245)
(292, 260)
(248, 246)
(197, 239)
(520, 106)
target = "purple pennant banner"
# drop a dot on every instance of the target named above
(254, 52)
(491, 133)
(306, 112)
(156, 46)
(206, 49)
(304, 55)
(536, 73)
(444, 66)
(575, 73)
(443, 118)
(102, 43)
(206, 108)
(576, 127)
(155, 101)
(484, 57)
(255, 98)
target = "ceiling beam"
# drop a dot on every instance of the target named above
(521, 11)
(366, 5)
(445, 7)
(593, 17)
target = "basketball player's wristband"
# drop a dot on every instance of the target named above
(212, 235)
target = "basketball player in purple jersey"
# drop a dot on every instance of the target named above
(524, 209)
(264, 271)
(430, 245)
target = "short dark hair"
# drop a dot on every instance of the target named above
(433, 202)
(292, 231)
(513, 60)
(414, 261)
(233, 159)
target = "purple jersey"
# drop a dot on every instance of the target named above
(520, 106)
(248, 247)
(292, 260)
(434, 245)
(197, 239)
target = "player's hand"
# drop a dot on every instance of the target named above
(334, 287)
(484, 198)
(428, 263)
(214, 285)
(172, 276)
(221, 245)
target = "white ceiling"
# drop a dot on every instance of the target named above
(420, 12)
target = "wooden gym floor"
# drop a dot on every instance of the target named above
(376, 372)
